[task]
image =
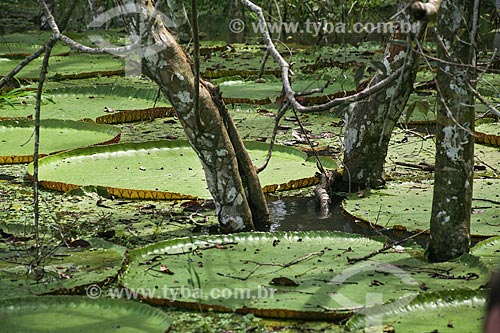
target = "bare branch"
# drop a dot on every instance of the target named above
(36, 215)
(50, 18)
(80, 47)
(52, 42)
(277, 119)
(98, 50)
(490, 106)
(23, 64)
(384, 248)
(438, 88)
(285, 72)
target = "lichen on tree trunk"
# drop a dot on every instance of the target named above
(234, 185)
(452, 200)
(369, 123)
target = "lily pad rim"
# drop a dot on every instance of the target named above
(156, 144)
(113, 131)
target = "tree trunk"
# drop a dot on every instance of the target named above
(451, 205)
(369, 123)
(231, 178)
(178, 15)
(235, 13)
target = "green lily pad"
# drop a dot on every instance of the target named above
(126, 222)
(442, 312)
(489, 252)
(409, 204)
(16, 137)
(72, 314)
(78, 106)
(240, 89)
(74, 63)
(27, 43)
(488, 133)
(415, 148)
(489, 128)
(288, 274)
(140, 166)
(66, 270)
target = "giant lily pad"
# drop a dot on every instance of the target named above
(73, 63)
(408, 205)
(80, 106)
(489, 134)
(65, 270)
(442, 312)
(488, 251)
(16, 137)
(414, 148)
(72, 314)
(288, 275)
(162, 169)
(248, 92)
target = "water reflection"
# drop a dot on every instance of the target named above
(302, 214)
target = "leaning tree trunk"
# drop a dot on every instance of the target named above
(230, 174)
(369, 123)
(452, 201)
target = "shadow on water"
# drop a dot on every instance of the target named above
(302, 214)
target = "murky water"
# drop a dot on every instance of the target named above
(302, 214)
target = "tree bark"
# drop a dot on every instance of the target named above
(178, 14)
(230, 174)
(235, 13)
(452, 200)
(369, 123)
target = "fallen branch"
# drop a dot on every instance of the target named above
(322, 191)
(487, 200)
(422, 166)
(383, 249)
(260, 264)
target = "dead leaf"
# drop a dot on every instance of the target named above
(79, 243)
(283, 281)
(166, 270)
(423, 287)
(376, 283)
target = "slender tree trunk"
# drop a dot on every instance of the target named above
(178, 14)
(231, 178)
(283, 35)
(234, 13)
(369, 123)
(451, 206)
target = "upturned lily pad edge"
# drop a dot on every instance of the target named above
(442, 298)
(168, 195)
(145, 311)
(56, 123)
(178, 244)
